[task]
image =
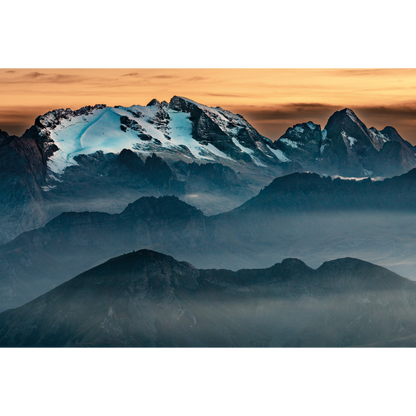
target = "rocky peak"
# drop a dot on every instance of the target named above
(347, 121)
(153, 102)
(185, 105)
(131, 160)
(79, 219)
(290, 269)
(393, 135)
(150, 270)
(159, 207)
(158, 171)
(3, 135)
(303, 140)
(52, 118)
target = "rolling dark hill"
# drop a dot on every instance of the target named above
(299, 215)
(147, 299)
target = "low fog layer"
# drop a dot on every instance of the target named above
(151, 300)
(75, 242)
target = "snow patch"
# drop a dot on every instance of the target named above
(299, 129)
(280, 155)
(47, 188)
(352, 140)
(241, 147)
(351, 115)
(248, 151)
(324, 134)
(211, 148)
(344, 178)
(348, 139)
(257, 162)
(311, 125)
(180, 131)
(289, 143)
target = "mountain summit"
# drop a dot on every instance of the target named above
(346, 147)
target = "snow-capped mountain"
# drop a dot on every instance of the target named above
(186, 131)
(101, 158)
(347, 147)
(181, 130)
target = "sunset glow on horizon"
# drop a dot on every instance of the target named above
(270, 99)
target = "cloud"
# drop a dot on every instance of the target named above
(288, 112)
(273, 121)
(196, 79)
(35, 75)
(402, 117)
(163, 76)
(132, 74)
(403, 111)
(213, 94)
(42, 77)
(16, 120)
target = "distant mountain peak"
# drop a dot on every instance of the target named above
(351, 114)
(153, 102)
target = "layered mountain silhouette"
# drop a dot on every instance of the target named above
(101, 158)
(147, 299)
(302, 214)
(311, 192)
(179, 183)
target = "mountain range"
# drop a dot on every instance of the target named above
(179, 183)
(101, 158)
(301, 214)
(147, 299)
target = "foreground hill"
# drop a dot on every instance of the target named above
(147, 299)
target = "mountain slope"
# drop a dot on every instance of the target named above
(101, 158)
(348, 148)
(146, 299)
(23, 172)
(38, 260)
(317, 218)
(312, 192)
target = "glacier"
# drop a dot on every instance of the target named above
(145, 128)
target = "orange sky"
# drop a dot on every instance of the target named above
(270, 99)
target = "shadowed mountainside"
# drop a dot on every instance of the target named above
(300, 215)
(147, 299)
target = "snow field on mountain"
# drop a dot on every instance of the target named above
(280, 155)
(289, 143)
(181, 134)
(100, 130)
(248, 151)
(348, 139)
(89, 134)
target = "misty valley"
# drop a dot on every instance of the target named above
(179, 225)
